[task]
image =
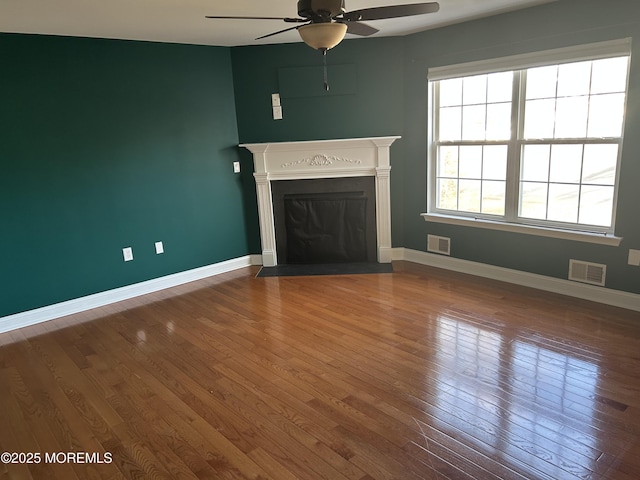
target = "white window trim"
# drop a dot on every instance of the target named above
(574, 235)
(593, 51)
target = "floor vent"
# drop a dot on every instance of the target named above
(437, 244)
(593, 273)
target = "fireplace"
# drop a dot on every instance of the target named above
(343, 178)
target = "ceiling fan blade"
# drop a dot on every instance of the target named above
(391, 11)
(278, 32)
(359, 28)
(288, 20)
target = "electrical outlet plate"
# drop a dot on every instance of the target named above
(634, 257)
(277, 113)
(159, 248)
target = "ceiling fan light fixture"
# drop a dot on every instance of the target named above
(323, 36)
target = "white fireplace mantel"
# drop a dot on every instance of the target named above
(355, 157)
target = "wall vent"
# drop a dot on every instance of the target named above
(593, 273)
(437, 244)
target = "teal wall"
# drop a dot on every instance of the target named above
(391, 98)
(108, 144)
(374, 108)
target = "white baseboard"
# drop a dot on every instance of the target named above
(607, 296)
(565, 287)
(101, 299)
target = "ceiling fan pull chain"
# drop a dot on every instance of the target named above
(326, 76)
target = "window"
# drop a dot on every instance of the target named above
(532, 139)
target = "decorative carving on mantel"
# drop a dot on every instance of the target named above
(320, 161)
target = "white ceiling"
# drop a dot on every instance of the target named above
(182, 21)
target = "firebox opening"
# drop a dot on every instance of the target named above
(325, 221)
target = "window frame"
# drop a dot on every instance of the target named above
(518, 64)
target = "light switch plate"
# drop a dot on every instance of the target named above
(127, 253)
(236, 167)
(159, 248)
(634, 257)
(275, 100)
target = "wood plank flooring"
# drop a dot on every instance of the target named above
(419, 374)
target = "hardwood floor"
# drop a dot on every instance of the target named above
(419, 374)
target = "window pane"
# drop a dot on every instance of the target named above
(533, 200)
(493, 197)
(596, 205)
(609, 75)
(539, 118)
(542, 82)
(448, 194)
(535, 163)
(563, 202)
(500, 87)
(451, 92)
(470, 195)
(499, 121)
(470, 162)
(566, 151)
(450, 123)
(448, 162)
(494, 162)
(571, 117)
(599, 164)
(474, 90)
(473, 122)
(566, 163)
(574, 79)
(606, 115)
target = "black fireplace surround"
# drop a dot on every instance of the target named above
(325, 221)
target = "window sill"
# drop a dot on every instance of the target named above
(599, 238)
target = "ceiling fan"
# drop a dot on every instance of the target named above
(326, 22)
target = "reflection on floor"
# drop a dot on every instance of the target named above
(417, 374)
